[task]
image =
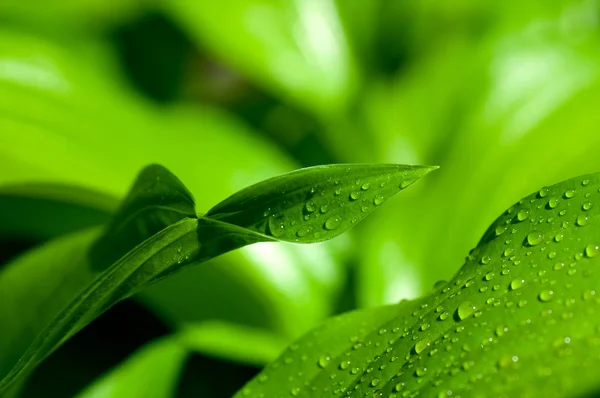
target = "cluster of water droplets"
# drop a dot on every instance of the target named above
(494, 322)
(333, 206)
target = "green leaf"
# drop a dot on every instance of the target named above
(248, 345)
(275, 44)
(43, 211)
(151, 371)
(69, 113)
(519, 318)
(316, 203)
(157, 221)
(156, 200)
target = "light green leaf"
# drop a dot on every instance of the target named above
(316, 203)
(296, 48)
(519, 318)
(151, 371)
(245, 344)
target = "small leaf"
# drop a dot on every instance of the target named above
(151, 371)
(316, 203)
(519, 319)
(156, 200)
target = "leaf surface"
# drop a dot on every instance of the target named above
(316, 203)
(519, 318)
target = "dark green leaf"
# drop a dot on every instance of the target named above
(519, 319)
(316, 203)
(156, 200)
(43, 211)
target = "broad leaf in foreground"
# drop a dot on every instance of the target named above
(519, 319)
(158, 223)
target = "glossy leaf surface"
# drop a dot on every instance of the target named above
(519, 318)
(316, 203)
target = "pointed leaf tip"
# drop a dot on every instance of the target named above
(317, 203)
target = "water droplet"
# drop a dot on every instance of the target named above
(585, 182)
(332, 223)
(592, 250)
(324, 209)
(500, 229)
(546, 295)
(485, 260)
(535, 238)
(589, 294)
(582, 220)
(365, 186)
(465, 310)
(517, 284)
(276, 227)
(569, 193)
(406, 183)
(522, 215)
(374, 382)
(586, 206)
(552, 203)
(354, 195)
(500, 330)
(304, 231)
(558, 237)
(420, 372)
(344, 365)
(489, 276)
(543, 192)
(378, 200)
(295, 391)
(337, 192)
(323, 361)
(310, 206)
(421, 346)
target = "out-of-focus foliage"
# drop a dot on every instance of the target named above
(502, 95)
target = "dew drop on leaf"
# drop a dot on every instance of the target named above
(276, 227)
(592, 250)
(332, 223)
(304, 232)
(569, 193)
(421, 346)
(310, 206)
(552, 203)
(523, 215)
(535, 238)
(354, 195)
(517, 284)
(365, 186)
(323, 361)
(581, 220)
(546, 295)
(378, 200)
(543, 192)
(465, 310)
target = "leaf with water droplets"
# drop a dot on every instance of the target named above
(520, 318)
(316, 203)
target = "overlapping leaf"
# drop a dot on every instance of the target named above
(157, 220)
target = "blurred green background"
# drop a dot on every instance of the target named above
(504, 96)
